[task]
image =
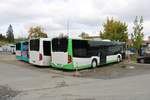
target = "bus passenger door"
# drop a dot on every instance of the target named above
(103, 55)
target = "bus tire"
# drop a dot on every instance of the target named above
(119, 58)
(94, 63)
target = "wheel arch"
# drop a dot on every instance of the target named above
(95, 58)
(119, 56)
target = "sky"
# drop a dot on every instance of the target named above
(73, 16)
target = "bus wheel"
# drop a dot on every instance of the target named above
(119, 59)
(94, 63)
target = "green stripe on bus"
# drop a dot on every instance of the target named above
(70, 47)
(19, 57)
(70, 51)
(25, 59)
(60, 66)
(70, 66)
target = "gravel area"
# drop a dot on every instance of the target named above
(111, 71)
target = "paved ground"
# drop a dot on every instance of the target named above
(116, 82)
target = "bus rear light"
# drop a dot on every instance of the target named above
(40, 56)
(69, 59)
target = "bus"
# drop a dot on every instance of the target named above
(18, 51)
(25, 51)
(72, 54)
(40, 51)
(22, 52)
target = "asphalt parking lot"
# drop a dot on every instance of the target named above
(22, 81)
(111, 71)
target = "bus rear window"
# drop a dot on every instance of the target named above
(59, 44)
(25, 46)
(34, 45)
(47, 48)
(18, 46)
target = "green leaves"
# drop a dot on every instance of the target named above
(114, 30)
(137, 35)
(36, 32)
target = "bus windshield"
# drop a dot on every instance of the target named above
(59, 44)
(34, 45)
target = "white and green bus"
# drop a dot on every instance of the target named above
(74, 54)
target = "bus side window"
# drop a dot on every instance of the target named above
(92, 52)
(80, 48)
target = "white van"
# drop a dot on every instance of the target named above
(12, 49)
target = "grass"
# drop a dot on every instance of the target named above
(2, 42)
(133, 58)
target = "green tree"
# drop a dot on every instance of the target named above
(84, 35)
(114, 30)
(2, 37)
(10, 35)
(36, 32)
(137, 35)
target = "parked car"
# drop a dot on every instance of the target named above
(13, 49)
(9, 48)
(144, 59)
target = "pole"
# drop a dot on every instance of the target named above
(68, 28)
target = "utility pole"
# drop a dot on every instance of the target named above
(68, 28)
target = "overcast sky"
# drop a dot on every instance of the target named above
(82, 15)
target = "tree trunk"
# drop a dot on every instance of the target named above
(137, 53)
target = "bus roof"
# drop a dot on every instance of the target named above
(41, 38)
(22, 41)
(97, 41)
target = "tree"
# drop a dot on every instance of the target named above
(114, 30)
(2, 37)
(84, 35)
(137, 35)
(10, 35)
(36, 32)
